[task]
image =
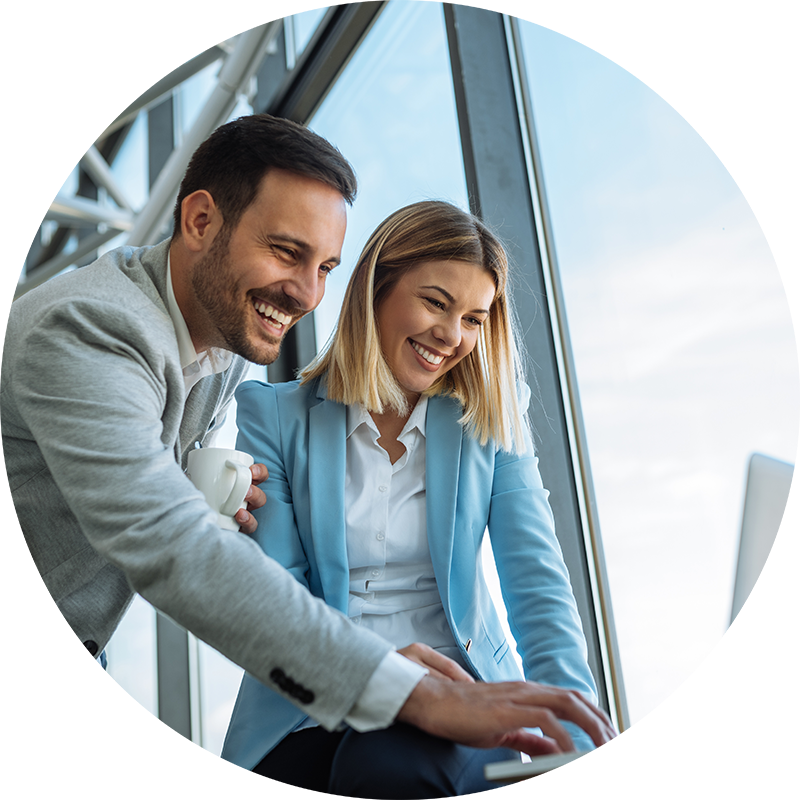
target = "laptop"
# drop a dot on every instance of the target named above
(767, 589)
(766, 493)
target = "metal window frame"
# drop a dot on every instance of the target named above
(296, 94)
(506, 189)
(569, 380)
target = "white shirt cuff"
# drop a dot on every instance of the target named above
(385, 693)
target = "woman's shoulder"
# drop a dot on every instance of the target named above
(284, 394)
(274, 412)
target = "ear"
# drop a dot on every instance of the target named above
(201, 220)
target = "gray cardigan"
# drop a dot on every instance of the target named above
(96, 428)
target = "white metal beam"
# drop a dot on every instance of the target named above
(233, 78)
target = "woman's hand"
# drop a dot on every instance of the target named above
(255, 499)
(438, 666)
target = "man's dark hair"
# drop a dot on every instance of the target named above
(232, 161)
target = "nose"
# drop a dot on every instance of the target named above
(448, 332)
(305, 287)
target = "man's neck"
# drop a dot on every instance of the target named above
(181, 264)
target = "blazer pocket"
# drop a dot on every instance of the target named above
(501, 652)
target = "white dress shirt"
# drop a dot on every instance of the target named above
(393, 588)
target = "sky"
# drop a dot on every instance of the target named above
(683, 346)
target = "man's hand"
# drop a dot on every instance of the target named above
(440, 667)
(255, 499)
(494, 714)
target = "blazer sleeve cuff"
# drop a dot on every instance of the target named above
(385, 693)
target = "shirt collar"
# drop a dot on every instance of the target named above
(417, 418)
(218, 358)
(357, 415)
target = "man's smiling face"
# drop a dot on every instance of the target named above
(258, 279)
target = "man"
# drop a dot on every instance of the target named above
(111, 375)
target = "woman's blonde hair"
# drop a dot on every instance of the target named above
(485, 382)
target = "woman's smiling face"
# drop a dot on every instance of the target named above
(431, 319)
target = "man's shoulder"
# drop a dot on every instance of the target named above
(121, 276)
(113, 303)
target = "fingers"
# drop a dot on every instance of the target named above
(247, 522)
(543, 718)
(255, 498)
(530, 743)
(446, 667)
(592, 719)
(438, 665)
(567, 704)
(260, 473)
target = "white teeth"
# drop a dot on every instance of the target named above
(272, 313)
(427, 355)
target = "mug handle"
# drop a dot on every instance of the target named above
(243, 479)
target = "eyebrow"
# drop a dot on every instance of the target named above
(451, 299)
(300, 245)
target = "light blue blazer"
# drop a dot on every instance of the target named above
(300, 436)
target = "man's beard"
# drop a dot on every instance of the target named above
(216, 290)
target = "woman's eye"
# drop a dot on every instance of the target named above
(435, 303)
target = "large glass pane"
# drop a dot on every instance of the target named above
(130, 165)
(131, 657)
(305, 25)
(392, 113)
(683, 348)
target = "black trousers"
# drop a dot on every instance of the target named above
(398, 763)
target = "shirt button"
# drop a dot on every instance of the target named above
(382, 488)
(380, 537)
(375, 573)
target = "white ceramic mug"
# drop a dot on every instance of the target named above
(223, 476)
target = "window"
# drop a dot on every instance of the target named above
(683, 348)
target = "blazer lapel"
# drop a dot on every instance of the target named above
(326, 473)
(442, 463)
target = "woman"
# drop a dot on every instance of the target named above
(404, 439)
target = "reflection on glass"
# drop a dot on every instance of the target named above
(193, 93)
(305, 24)
(683, 349)
(219, 684)
(131, 657)
(130, 165)
(392, 113)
